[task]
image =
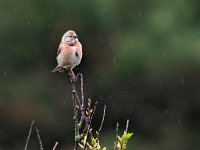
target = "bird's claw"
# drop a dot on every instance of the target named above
(73, 78)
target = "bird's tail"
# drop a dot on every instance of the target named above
(58, 68)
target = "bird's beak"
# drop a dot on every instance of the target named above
(75, 36)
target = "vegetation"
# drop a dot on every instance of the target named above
(140, 59)
(84, 138)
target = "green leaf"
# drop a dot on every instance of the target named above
(127, 136)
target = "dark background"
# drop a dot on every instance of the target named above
(141, 59)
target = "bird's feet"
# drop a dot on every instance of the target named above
(73, 77)
(61, 70)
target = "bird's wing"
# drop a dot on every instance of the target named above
(63, 47)
(59, 48)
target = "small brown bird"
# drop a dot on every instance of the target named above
(69, 53)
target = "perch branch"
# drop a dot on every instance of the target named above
(75, 118)
(75, 98)
(82, 108)
(82, 94)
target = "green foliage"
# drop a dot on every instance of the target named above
(87, 139)
(142, 55)
(122, 141)
(94, 143)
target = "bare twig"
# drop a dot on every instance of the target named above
(85, 115)
(75, 115)
(82, 108)
(73, 77)
(102, 121)
(87, 126)
(75, 98)
(116, 140)
(29, 135)
(82, 94)
(127, 124)
(55, 146)
(39, 139)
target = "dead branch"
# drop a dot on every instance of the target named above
(39, 139)
(29, 135)
(54, 148)
(102, 121)
(127, 124)
(116, 132)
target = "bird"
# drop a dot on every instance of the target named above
(69, 52)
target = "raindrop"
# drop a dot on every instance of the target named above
(64, 102)
(4, 73)
(164, 54)
(179, 121)
(28, 23)
(28, 2)
(166, 111)
(49, 26)
(114, 60)
(15, 10)
(139, 13)
(182, 81)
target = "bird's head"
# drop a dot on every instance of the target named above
(70, 37)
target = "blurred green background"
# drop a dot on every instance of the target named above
(141, 59)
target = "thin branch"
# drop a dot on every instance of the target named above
(75, 98)
(127, 124)
(29, 135)
(82, 108)
(102, 121)
(39, 139)
(75, 115)
(116, 140)
(55, 146)
(87, 126)
(73, 78)
(82, 94)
